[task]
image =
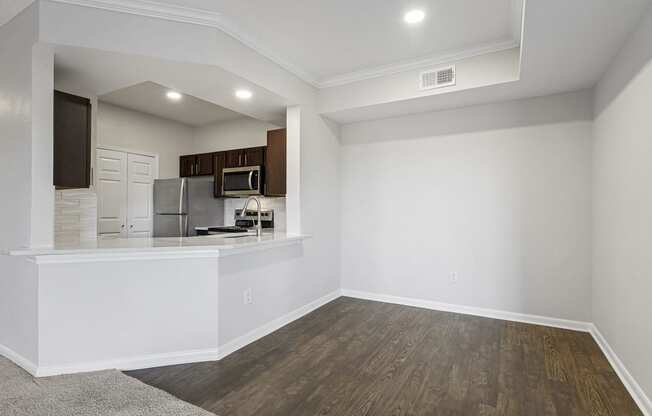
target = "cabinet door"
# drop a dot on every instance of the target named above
(111, 184)
(140, 195)
(72, 141)
(254, 156)
(234, 158)
(204, 164)
(186, 166)
(276, 163)
(219, 163)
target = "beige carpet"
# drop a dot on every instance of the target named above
(103, 393)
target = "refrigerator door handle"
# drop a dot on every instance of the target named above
(181, 194)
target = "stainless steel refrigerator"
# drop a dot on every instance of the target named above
(182, 204)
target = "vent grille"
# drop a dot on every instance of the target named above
(437, 78)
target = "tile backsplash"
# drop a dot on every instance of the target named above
(277, 204)
(75, 217)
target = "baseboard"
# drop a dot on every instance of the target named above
(256, 334)
(131, 363)
(634, 389)
(18, 359)
(471, 310)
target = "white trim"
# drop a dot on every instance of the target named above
(252, 336)
(415, 64)
(143, 361)
(217, 20)
(125, 150)
(113, 257)
(471, 310)
(634, 389)
(18, 359)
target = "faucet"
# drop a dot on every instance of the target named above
(259, 229)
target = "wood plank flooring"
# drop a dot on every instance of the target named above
(356, 357)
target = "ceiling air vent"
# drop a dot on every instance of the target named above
(437, 78)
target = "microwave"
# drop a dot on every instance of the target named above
(242, 181)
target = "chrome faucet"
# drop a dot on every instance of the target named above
(259, 228)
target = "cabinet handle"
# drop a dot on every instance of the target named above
(198, 166)
(245, 159)
(240, 159)
(192, 169)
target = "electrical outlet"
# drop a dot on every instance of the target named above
(248, 296)
(453, 277)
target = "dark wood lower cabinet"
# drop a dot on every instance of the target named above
(72, 141)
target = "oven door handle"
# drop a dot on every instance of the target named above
(251, 177)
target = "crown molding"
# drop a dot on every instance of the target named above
(414, 64)
(216, 20)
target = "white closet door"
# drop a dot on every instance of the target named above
(111, 171)
(140, 196)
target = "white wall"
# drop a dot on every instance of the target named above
(117, 126)
(231, 134)
(498, 194)
(18, 303)
(622, 263)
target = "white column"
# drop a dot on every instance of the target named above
(293, 202)
(42, 195)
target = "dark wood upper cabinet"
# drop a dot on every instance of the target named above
(196, 165)
(204, 164)
(234, 158)
(276, 163)
(72, 141)
(219, 163)
(186, 166)
(254, 156)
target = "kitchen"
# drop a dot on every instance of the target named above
(145, 157)
(138, 190)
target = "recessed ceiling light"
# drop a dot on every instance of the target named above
(244, 94)
(414, 16)
(173, 95)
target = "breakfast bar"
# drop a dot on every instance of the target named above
(144, 302)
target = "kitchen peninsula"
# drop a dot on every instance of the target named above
(144, 302)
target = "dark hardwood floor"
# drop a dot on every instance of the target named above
(355, 357)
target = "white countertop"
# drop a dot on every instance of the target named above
(220, 244)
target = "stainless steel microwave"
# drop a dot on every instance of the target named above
(242, 181)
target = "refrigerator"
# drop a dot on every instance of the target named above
(181, 204)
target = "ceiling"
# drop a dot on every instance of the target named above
(136, 82)
(149, 97)
(565, 47)
(10, 8)
(326, 41)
